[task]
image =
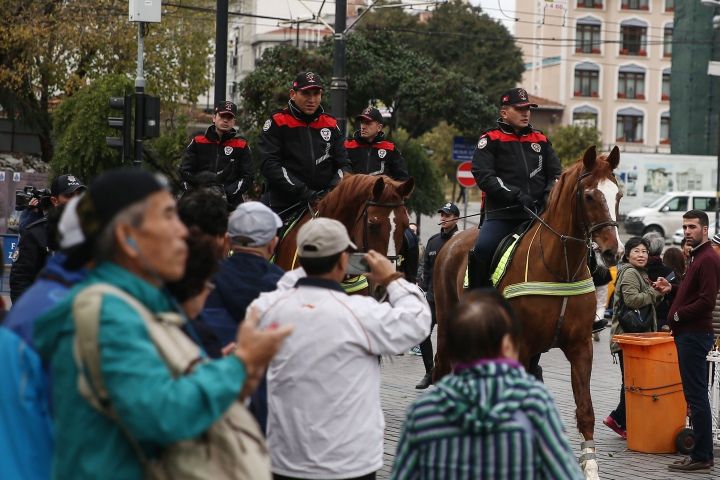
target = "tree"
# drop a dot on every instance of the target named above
(428, 193)
(54, 48)
(439, 141)
(571, 141)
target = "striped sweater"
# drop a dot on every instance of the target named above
(489, 421)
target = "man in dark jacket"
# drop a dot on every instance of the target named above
(301, 149)
(516, 167)
(449, 214)
(370, 153)
(690, 318)
(219, 157)
(33, 250)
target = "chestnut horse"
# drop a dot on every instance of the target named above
(371, 207)
(582, 208)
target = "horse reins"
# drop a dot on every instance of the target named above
(364, 216)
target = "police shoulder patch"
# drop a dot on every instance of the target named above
(483, 141)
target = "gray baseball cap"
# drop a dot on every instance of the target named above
(323, 237)
(254, 221)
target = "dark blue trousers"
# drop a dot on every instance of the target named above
(491, 234)
(692, 349)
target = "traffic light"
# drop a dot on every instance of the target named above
(124, 124)
(151, 117)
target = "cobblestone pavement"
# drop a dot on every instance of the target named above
(401, 373)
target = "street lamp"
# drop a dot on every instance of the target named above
(716, 26)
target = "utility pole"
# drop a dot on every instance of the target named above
(139, 96)
(338, 84)
(221, 41)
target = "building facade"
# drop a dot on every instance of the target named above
(607, 61)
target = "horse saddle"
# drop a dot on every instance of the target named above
(505, 250)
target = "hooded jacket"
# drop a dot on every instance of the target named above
(227, 157)
(476, 419)
(155, 408)
(508, 164)
(378, 157)
(300, 155)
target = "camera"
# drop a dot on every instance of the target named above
(23, 197)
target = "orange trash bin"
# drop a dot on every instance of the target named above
(654, 400)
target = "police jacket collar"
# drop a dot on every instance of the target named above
(378, 138)
(300, 115)
(449, 233)
(212, 134)
(319, 283)
(505, 127)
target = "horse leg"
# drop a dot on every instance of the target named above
(580, 356)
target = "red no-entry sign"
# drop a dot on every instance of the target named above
(464, 175)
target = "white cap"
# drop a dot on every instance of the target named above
(254, 221)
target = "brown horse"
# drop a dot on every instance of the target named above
(371, 207)
(582, 208)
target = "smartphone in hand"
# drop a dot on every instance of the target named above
(357, 265)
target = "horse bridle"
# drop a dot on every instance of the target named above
(587, 231)
(364, 216)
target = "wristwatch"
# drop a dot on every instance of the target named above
(675, 317)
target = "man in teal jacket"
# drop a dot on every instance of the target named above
(129, 222)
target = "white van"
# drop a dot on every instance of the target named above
(664, 215)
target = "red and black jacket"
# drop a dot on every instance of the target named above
(299, 155)
(228, 158)
(379, 157)
(507, 164)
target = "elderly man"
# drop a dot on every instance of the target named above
(325, 419)
(134, 404)
(220, 156)
(301, 149)
(370, 153)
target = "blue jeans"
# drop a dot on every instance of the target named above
(692, 351)
(491, 234)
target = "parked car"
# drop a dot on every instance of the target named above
(664, 215)
(678, 235)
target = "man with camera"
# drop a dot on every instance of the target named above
(33, 249)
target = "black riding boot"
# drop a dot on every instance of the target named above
(478, 272)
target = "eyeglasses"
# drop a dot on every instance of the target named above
(638, 251)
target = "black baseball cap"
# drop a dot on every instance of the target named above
(450, 208)
(371, 114)
(517, 97)
(306, 81)
(226, 107)
(65, 185)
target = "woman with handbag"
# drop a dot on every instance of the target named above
(633, 312)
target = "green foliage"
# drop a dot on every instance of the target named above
(163, 154)
(439, 141)
(80, 129)
(571, 141)
(428, 192)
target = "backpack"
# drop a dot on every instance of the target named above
(233, 447)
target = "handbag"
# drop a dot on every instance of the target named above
(634, 320)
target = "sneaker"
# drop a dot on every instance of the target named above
(687, 464)
(415, 351)
(615, 427)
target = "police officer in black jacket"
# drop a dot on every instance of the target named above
(220, 156)
(516, 167)
(33, 250)
(449, 215)
(301, 149)
(370, 153)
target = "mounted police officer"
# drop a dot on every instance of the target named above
(220, 156)
(449, 215)
(516, 167)
(301, 149)
(370, 153)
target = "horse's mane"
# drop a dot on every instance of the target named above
(350, 195)
(567, 181)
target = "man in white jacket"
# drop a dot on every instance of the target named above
(325, 420)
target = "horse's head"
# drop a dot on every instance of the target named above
(372, 208)
(598, 203)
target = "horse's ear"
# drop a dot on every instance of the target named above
(406, 188)
(378, 189)
(589, 158)
(614, 157)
